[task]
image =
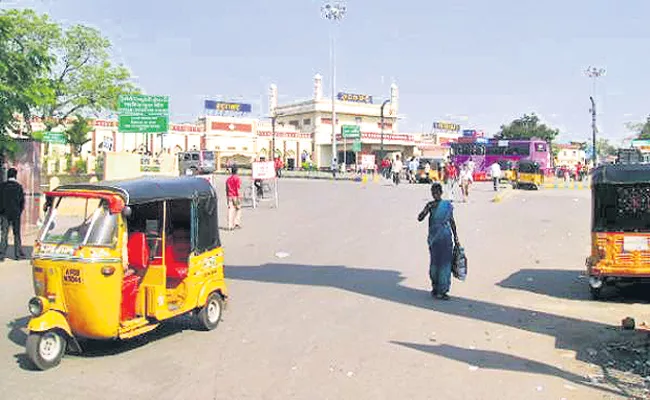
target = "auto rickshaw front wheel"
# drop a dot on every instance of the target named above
(46, 349)
(210, 315)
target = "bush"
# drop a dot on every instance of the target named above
(99, 167)
(80, 167)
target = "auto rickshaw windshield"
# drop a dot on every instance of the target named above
(80, 221)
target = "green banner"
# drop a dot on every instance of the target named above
(351, 131)
(55, 137)
(143, 114)
(356, 146)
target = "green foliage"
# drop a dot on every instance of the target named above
(84, 79)
(25, 61)
(99, 167)
(77, 133)
(641, 129)
(604, 148)
(68, 70)
(527, 127)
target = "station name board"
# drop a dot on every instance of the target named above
(446, 126)
(355, 98)
(227, 106)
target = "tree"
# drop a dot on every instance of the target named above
(77, 133)
(642, 129)
(83, 79)
(526, 128)
(604, 148)
(25, 61)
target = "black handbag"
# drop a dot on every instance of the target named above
(459, 263)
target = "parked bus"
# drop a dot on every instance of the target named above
(485, 152)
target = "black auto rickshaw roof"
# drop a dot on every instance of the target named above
(621, 174)
(528, 166)
(149, 189)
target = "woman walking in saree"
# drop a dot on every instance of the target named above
(441, 240)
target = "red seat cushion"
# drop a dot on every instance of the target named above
(129, 296)
(177, 263)
(138, 251)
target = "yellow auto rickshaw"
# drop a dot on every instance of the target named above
(507, 170)
(115, 259)
(620, 226)
(528, 174)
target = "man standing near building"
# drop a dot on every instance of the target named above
(495, 173)
(12, 205)
(233, 186)
(397, 169)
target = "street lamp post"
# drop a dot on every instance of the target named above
(594, 73)
(381, 151)
(334, 12)
(273, 117)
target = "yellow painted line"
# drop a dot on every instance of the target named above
(502, 195)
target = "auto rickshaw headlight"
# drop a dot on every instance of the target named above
(36, 306)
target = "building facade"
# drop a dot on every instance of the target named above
(298, 133)
(569, 155)
(313, 118)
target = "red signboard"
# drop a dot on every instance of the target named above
(231, 127)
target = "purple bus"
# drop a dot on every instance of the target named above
(485, 152)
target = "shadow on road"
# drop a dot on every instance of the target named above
(485, 359)
(572, 285)
(569, 333)
(98, 348)
(560, 283)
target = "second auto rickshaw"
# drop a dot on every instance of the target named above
(507, 170)
(115, 259)
(620, 228)
(528, 174)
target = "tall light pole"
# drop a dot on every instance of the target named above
(594, 73)
(333, 12)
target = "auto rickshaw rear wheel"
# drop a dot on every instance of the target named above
(210, 314)
(46, 349)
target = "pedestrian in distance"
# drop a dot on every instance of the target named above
(397, 170)
(441, 239)
(495, 173)
(233, 187)
(412, 170)
(12, 205)
(278, 167)
(465, 181)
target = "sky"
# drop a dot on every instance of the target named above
(477, 63)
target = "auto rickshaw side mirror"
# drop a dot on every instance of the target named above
(127, 212)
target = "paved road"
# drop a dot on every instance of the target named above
(347, 314)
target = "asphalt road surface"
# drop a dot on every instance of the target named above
(330, 300)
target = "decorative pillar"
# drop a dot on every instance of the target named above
(94, 142)
(318, 87)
